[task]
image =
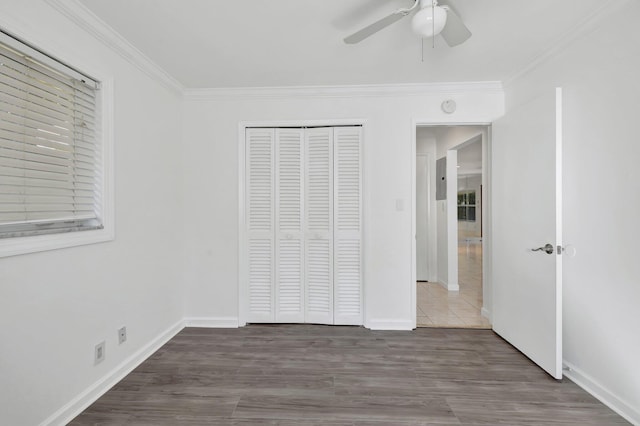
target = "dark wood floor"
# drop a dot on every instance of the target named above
(310, 375)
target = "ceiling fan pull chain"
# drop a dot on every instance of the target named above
(433, 24)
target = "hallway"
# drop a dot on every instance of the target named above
(438, 307)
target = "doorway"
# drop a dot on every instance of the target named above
(452, 177)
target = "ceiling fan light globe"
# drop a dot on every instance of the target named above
(429, 22)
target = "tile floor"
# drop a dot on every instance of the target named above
(438, 307)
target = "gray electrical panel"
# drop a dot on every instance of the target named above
(441, 179)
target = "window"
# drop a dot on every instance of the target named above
(49, 151)
(467, 206)
(55, 153)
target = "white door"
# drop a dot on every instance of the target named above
(526, 203)
(289, 274)
(259, 202)
(318, 167)
(347, 195)
(299, 266)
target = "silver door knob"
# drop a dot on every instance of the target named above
(548, 248)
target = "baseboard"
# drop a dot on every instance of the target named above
(212, 322)
(77, 405)
(449, 287)
(605, 396)
(390, 324)
(485, 313)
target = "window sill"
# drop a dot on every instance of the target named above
(24, 245)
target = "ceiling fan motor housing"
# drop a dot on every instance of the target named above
(430, 19)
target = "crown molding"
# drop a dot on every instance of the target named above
(88, 21)
(380, 90)
(588, 24)
(82, 16)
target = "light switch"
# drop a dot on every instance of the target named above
(399, 205)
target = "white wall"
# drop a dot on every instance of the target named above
(599, 74)
(425, 141)
(211, 183)
(451, 137)
(55, 306)
(426, 210)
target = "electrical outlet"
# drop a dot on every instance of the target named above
(99, 352)
(122, 335)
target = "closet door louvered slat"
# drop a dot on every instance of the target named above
(289, 220)
(260, 224)
(319, 225)
(347, 226)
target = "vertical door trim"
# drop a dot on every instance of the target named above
(243, 279)
(427, 162)
(559, 240)
(452, 219)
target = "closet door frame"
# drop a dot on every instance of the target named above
(243, 259)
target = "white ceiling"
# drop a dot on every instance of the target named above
(257, 43)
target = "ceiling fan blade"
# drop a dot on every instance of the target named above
(455, 32)
(370, 30)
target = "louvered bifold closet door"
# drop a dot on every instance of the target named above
(289, 219)
(319, 225)
(347, 226)
(260, 218)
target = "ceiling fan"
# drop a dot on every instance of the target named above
(430, 20)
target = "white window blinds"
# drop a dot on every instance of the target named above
(49, 154)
